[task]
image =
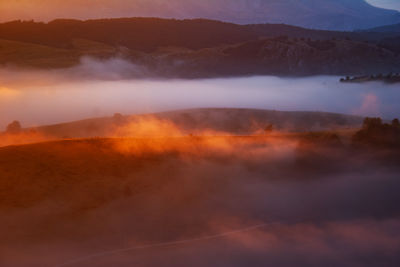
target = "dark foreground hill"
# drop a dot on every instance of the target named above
(208, 187)
(104, 202)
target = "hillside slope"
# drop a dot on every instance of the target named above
(231, 121)
(149, 34)
(394, 28)
(198, 48)
(87, 202)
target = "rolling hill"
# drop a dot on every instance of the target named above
(198, 48)
(149, 34)
(394, 28)
(99, 202)
(231, 121)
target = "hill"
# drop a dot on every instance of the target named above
(40, 56)
(394, 28)
(231, 121)
(149, 34)
(317, 14)
(286, 57)
(116, 201)
(198, 48)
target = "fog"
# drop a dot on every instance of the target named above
(225, 201)
(163, 191)
(96, 89)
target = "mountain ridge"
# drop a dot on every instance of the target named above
(198, 48)
(317, 14)
(393, 28)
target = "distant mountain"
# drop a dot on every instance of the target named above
(389, 42)
(394, 28)
(318, 14)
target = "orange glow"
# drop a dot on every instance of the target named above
(154, 136)
(46, 10)
(27, 137)
(8, 93)
(148, 127)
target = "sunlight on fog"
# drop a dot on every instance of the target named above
(61, 101)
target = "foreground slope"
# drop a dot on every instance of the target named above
(102, 202)
(202, 187)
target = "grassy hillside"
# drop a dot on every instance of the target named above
(233, 121)
(34, 55)
(15, 53)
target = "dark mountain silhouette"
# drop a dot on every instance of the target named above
(285, 56)
(148, 34)
(317, 14)
(391, 42)
(394, 28)
(199, 48)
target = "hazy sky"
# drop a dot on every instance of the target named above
(50, 9)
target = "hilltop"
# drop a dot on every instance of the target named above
(232, 121)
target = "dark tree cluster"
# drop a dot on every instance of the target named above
(14, 128)
(375, 132)
(387, 78)
(119, 119)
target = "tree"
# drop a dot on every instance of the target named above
(14, 127)
(396, 123)
(269, 129)
(118, 118)
(375, 132)
(372, 123)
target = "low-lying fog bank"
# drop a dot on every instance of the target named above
(41, 98)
